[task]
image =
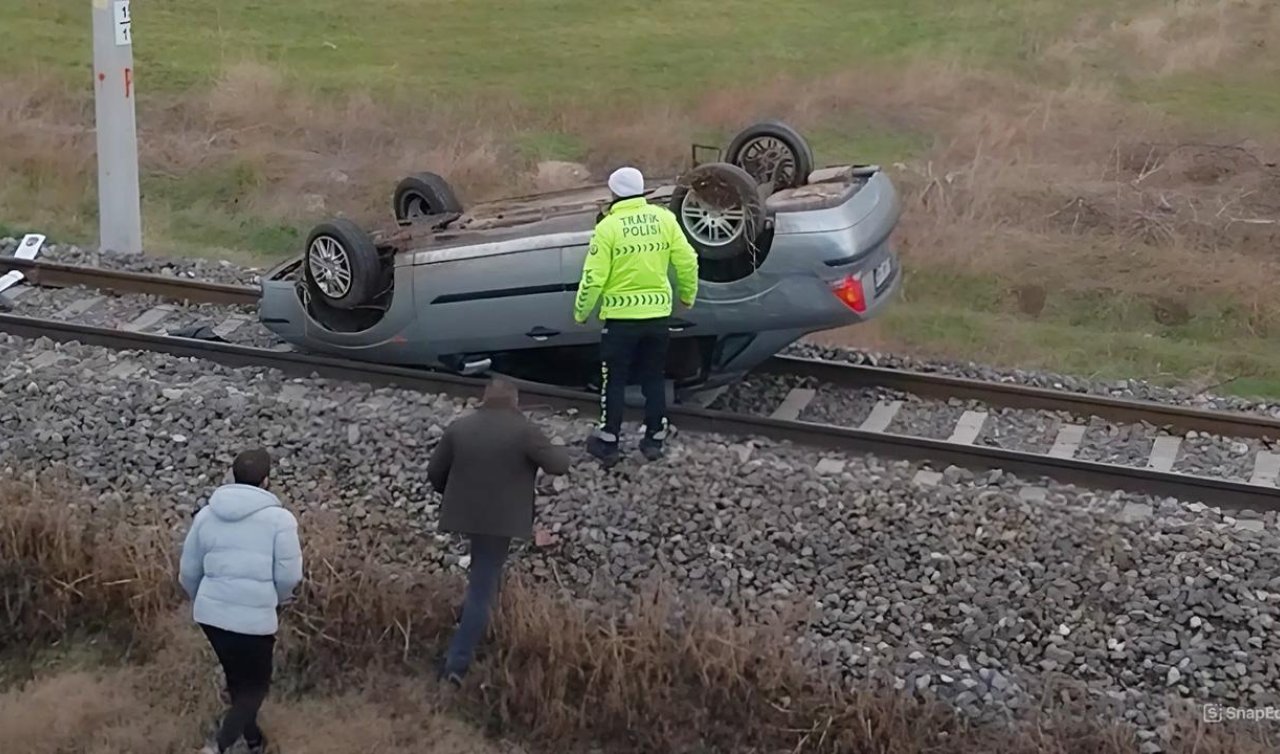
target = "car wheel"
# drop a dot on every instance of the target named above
(342, 268)
(772, 150)
(720, 210)
(423, 194)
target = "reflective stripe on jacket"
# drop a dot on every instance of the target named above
(625, 272)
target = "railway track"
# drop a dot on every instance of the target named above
(127, 311)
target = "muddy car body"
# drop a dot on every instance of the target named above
(492, 288)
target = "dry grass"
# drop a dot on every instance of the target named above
(655, 676)
(1171, 38)
(120, 710)
(1068, 187)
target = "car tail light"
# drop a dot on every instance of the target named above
(849, 290)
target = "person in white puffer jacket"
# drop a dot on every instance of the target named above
(240, 562)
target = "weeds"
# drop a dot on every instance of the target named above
(658, 675)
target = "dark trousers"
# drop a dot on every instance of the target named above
(488, 556)
(636, 347)
(246, 661)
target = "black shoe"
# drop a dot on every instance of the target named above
(652, 449)
(257, 747)
(605, 452)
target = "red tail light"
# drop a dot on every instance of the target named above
(849, 290)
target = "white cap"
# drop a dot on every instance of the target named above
(625, 182)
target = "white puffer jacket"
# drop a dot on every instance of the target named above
(241, 560)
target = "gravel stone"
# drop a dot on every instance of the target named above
(759, 394)
(844, 407)
(1027, 431)
(1129, 445)
(102, 309)
(969, 581)
(930, 419)
(196, 269)
(1127, 388)
(1217, 456)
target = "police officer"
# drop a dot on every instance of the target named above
(626, 273)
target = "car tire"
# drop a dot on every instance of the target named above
(341, 265)
(423, 194)
(720, 210)
(758, 148)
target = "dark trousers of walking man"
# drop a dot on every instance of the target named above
(633, 347)
(246, 661)
(488, 558)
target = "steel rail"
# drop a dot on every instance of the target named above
(841, 374)
(55, 275)
(1219, 492)
(1013, 395)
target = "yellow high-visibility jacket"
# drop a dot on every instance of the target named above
(626, 267)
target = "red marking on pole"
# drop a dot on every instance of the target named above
(128, 81)
(102, 77)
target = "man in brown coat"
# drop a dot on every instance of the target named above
(485, 466)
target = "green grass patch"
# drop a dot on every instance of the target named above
(198, 214)
(862, 144)
(538, 50)
(1006, 340)
(1100, 333)
(81, 651)
(550, 145)
(1250, 101)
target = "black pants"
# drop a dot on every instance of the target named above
(246, 660)
(633, 347)
(488, 556)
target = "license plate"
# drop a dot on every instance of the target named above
(881, 273)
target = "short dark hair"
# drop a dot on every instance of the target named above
(252, 467)
(501, 392)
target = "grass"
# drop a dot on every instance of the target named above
(1035, 143)
(663, 672)
(1105, 334)
(539, 50)
(1253, 104)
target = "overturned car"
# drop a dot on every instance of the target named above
(784, 250)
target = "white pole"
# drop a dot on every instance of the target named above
(119, 203)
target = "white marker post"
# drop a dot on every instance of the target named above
(119, 202)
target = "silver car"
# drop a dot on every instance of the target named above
(784, 250)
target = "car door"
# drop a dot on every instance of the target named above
(492, 303)
(572, 258)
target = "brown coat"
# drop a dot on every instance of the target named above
(485, 466)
